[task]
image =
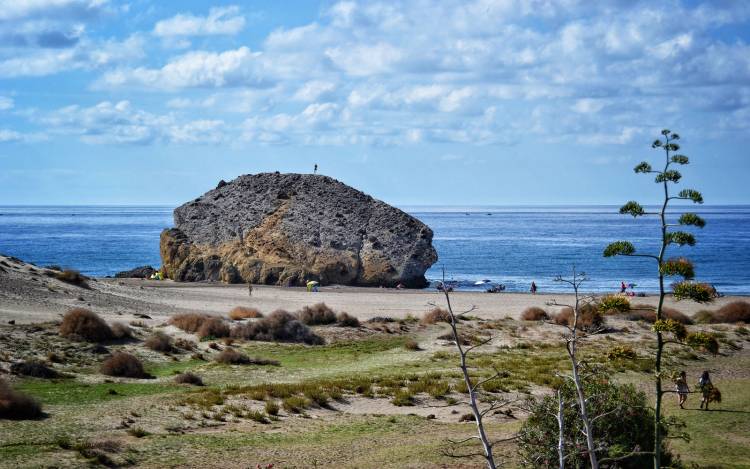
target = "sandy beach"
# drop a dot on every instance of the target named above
(27, 296)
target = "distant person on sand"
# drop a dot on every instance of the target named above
(682, 388)
(249, 289)
(705, 385)
(623, 287)
(533, 288)
(315, 170)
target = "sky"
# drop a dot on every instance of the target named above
(490, 102)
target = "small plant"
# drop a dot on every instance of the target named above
(85, 325)
(272, 408)
(188, 322)
(346, 320)
(534, 313)
(137, 432)
(621, 352)
(412, 345)
(121, 331)
(213, 327)
(317, 314)
(188, 378)
(736, 311)
(73, 277)
(435, 316)
(159, 342)
(33, 368)
(295, 404)
(648, 314)
(589, 318)
(612, 304)
(243, 312)
(124, 365)
(232, 357)
(257, 416)
(17, 406)
(279, 326)
(402, 398)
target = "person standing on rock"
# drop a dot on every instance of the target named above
(315, 170)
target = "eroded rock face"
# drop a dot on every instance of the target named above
(285, 229)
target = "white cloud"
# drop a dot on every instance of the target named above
(220, 21)
(193, 70)
(9, 136)
(121, 123)
(6, 103)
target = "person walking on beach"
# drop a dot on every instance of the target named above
(249, 289)
(682, 388)
(623, 287)
(533, 288)
(705, 385)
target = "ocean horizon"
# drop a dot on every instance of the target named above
(511, 245)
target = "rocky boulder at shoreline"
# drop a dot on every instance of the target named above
(285, 229)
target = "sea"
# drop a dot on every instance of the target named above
(510, 246)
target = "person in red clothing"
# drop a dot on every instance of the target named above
(623, 287)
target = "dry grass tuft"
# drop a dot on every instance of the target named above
(82, 324)
(534, 313)
(346, 320)
(648, 314)
(188, 378)
(317, 314)
(736, 311)
(159, 342)
(124, 365)
(213, 327)
(242, 312)
(121, 331)
(17, 406)
(589, 318)
(73, 277)
(232, 357)
(33, 368)
(188, 322)
(279, 326)
(435, 316)
(412, 345)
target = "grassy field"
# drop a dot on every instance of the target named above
(367, 402)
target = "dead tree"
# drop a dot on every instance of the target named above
(571, 345)
(473, 388)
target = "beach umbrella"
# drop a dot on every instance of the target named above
(482, 282)
(312, 282)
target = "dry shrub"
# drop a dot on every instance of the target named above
(188, 322)
(185, 344)
(17, 406)
(213, 327)
(121, 331)
(736, 311)
(279, 326)
(33, 368)
(347, 320)
(648, 314)
(703, 316)
(534, 313)
(232, 357)
(73, 277)
(124, 365)
(188, 378)
(317, 314)
(242, 312)
(82, 324)
(412, 345)
(159, 342)
(589, 318)
(435, 316)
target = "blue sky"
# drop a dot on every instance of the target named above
(450, 102)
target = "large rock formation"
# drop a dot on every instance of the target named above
(285, 229)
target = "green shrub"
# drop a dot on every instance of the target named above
(295, 404)
(621, 352)
(698, 292)
(272, 408)
(402, 398)
(628, 427)
(614, 304)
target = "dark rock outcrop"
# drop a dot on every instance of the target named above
(139, 272)
(285, 229)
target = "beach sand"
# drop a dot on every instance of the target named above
(28, 294)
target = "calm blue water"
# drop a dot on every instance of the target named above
(511, 245)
